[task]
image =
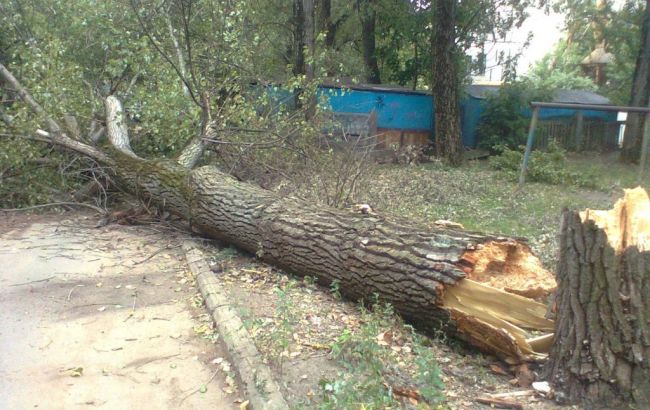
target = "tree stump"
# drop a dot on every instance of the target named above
(601, 352)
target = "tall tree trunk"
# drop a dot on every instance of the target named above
(325, 24)
(310, 48)
(639, 95)
(446, 83)
(310, 42)
(368, 17)
(298, 41)
(601, 351)
(476, 286)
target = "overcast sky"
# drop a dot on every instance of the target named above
(546, 29)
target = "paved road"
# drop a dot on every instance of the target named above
(87, 322)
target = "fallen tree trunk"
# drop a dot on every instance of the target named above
(423, 274)
(601, 353)
(476, 286)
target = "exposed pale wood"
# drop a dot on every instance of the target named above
(496, 320)
(118, 133)
(519, 393)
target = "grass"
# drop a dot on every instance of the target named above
(373, 371)
(486, 200)
(608, 172)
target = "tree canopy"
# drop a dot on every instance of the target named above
(162, 57)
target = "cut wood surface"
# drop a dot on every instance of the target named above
(602, 344)
(476, 286)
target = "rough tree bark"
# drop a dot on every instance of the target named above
(476, 286)
(601, 351)
(298, 40)
(309, 36)
(368, 17)
(448, 140)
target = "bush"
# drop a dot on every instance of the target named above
(503, 122)
(544, 166)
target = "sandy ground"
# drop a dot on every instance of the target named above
(102, 318)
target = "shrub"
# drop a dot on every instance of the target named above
(544, 166)
(503, 122)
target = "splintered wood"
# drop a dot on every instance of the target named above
(628, 224)
(510, 266)
(495, 307)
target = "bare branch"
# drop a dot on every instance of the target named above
(72, 126)
(179, 53)
(118, 133)
(56, 136)
(25, 96)
(186, 13)
(134, 80)
(194, 150)
(162, 53)
(96, 131)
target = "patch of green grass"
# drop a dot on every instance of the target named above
(609, 172)
(486, 200)
(372, 371)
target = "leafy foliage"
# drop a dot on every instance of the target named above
(585, 25)
(544, 166)
(572, 79)
(503, 123)
(369, 365)
(160, 56)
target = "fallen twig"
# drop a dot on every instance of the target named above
(500, 403)
(168, 246)
(518, 393)
(93, 207)
(138, 363)
(198, 388)
(33, 281)
(135, 297)
(70, 294)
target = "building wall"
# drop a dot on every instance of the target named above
(404, 117)
(398, 111)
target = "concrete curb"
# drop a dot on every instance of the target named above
(261, 389)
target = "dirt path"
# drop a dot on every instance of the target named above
(102, 318)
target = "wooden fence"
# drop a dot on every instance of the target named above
(596, 135)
